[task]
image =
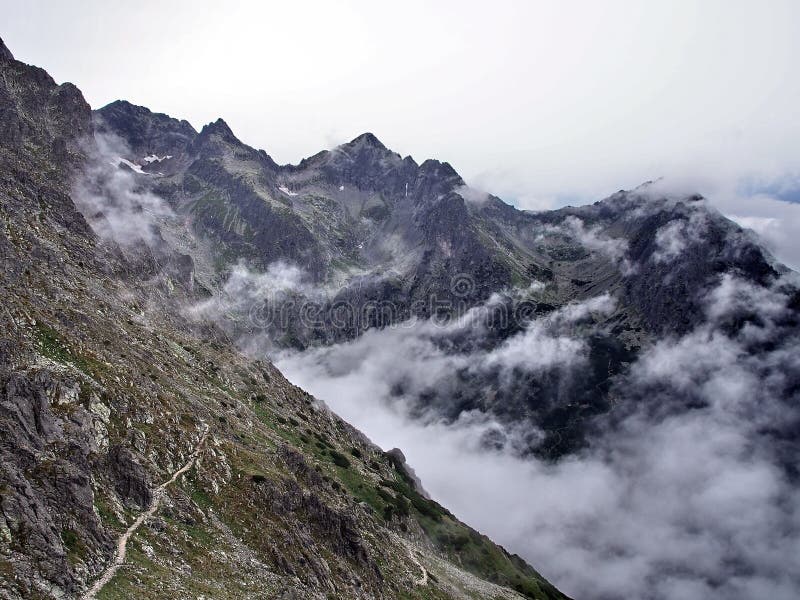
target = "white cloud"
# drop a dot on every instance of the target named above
(672, 503)
(549, 342)
(473, 195)
(594, 240)
(775, 222)
(114, 203)
(674, 237)
(247, 297)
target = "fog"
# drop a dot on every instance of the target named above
(684, 497)
(117, 206)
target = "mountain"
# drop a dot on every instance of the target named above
(150, 271)
(628, 367)
(143, 455)
(387, 239)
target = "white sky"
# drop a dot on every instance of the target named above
(543, 103)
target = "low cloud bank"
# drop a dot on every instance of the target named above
(113, 201)
(594, 240)
(688, 495)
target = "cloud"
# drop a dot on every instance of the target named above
(674, 237)
(473, 195)
(251, 305)
(548, 342)
(774, 221)
(116, 204)
(684, 495)
(593, 239)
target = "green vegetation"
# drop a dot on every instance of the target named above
(339, 459)
(201, 498)
(76, 550)
(107, 515)
(477, 554)
(395, 504)
(53, 347)
(426, 508)
(361, 489)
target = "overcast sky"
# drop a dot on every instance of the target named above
(542, 103)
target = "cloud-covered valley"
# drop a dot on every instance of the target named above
(686, 491)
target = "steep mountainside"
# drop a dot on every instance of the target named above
(115, 406)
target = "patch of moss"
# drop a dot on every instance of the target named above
(477, 554)
(201, 498)
(426, 508)
(361, 489)
(339, 459)
(53, 347)
(107, 516)
(76, 549)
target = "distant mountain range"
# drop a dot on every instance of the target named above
(388, 239)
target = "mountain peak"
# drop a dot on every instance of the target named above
(439, 169)
(368, 139)
(219, 127)
(5, 53)
(125, 107)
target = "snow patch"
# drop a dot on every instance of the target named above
(134, 167)
(155, 158)
(286, 191)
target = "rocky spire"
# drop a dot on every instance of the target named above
(220, 127)
(5, 53)
(368, 139)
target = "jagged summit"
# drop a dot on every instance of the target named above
(368, 139)
(121, 104)
(219, 127)
(218, 131)
(365, 147)
(127, 107)
(5, 53)
(364, 162)
(145, 132)
(439, 168)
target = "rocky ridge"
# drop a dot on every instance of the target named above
(379, 239)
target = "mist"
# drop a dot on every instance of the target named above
(665, 503)
(116, 205)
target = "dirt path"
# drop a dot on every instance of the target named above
(410, 550)
(122, 543)
(424, 579)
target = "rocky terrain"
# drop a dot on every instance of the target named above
(142, 455)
